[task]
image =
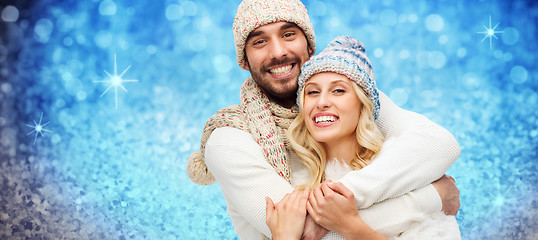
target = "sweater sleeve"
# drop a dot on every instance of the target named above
(245, 177)
(416, 153)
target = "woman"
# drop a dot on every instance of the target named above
(335, 133)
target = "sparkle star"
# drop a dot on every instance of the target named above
(38, 128)
(115, 81)
(490, 32)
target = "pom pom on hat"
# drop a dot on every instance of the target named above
(347, 56)
(252, 14)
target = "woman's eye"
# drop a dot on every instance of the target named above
(312, 92)
(339, 91)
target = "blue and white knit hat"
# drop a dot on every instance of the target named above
(347, 56)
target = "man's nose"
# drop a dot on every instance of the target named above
(278, 49)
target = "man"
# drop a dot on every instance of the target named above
(245, 147)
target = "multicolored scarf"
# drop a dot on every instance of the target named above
(266, 121)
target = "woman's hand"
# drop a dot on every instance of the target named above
(286, 220)
(333, 206)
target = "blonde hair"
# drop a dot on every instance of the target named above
(312, 154)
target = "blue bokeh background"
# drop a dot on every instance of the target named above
(101, 172)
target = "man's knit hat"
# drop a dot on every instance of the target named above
(252, 14)
(346, 56)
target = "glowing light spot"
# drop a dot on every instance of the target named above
(399, 96)
(107, 8)
(173, 12)
(116, 81)
(151, 49)
(189, 8)
(10, 14)
(404, 54)
(443, 39)
(436, 59)
(378, 52)
(43, 29)
(222, 63)
(413, 18)
(197, 42)
(490, 32)
(462, 52)
(434, 23)
(38, 128)
(388, 17)
(510, 36)
(518, 74)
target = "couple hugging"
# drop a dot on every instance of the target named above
(314, 135)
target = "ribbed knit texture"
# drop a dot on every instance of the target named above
(265, 120)
(252, 14)
(347, 56)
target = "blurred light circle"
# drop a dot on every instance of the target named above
(174, 12)
(443, 39)
(388, 17)
(507, 57)
(378, 52)
(10, 14)
(197, 42)
(402, 18)
(189, 8)
(434, 23)
(413, 18)
(404, 54)
(103, 39)
(222, 63)
(462, 52)
(518, 74)
(68, 41)
(498, 54)
(151, 49)
(436, 59)
(510, 36)
(399, 96)
(43, 28)
(107, 8)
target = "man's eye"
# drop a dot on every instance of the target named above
(258, 42)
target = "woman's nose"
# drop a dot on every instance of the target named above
(324, 101)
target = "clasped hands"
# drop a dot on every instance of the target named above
(331, 205)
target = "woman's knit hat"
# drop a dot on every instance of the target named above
(252, 14)
(347, 56)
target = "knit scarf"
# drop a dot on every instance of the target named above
(265, 120)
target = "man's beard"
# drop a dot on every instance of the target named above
(282, 91)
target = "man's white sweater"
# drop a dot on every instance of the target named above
(416, 153)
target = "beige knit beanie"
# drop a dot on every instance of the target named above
(252, 14)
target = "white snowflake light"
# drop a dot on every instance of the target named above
(115, 81)
(38, 128)
(490, 32)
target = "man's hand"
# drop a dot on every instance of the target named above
(449, 193)
(286, 219)
(313, 231)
